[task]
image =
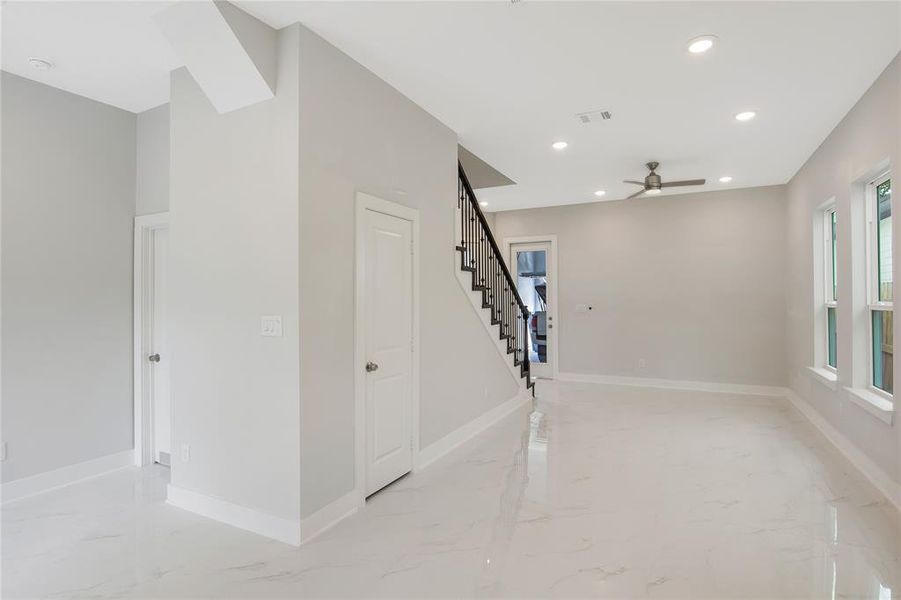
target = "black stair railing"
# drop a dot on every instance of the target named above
(482, 258)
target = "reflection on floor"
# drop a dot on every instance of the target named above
(602, 491)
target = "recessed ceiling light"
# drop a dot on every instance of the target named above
(746, 115)
(725, 179)
(40, 64)
(600, 193)
(483, 203)
(652, 191)
(701, 44)
(559, 145)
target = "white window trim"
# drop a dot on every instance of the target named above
(874, 303)
(874, 403)
(828, 271)
(826, 376)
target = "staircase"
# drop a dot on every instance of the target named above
(480, 256)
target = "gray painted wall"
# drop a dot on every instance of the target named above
(359, 134)
(152, 187)
(869, 135)
(234, 258)
(68, 191)
(693, 284)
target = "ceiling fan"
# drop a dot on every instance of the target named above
(652, 183)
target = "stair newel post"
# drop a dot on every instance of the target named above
(469, 228)
(507, 312)
(525, 345)
(462, 205)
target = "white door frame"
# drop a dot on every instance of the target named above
(144, 227)
(366, 202)
(552, 260)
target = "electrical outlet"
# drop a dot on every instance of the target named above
(642, 365)
(186, 453)
(2, 451)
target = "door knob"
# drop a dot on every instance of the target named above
(154, 358)
(371, 366)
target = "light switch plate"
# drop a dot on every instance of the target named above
(271, 326)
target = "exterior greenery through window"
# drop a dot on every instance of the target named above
(829, 223)
(882, 285)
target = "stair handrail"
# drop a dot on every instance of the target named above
(478, 210)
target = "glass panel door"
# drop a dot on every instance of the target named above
(530, 266)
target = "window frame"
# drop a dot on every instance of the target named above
(873, 301)
(830, 281)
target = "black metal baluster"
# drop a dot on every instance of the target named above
(482, 258)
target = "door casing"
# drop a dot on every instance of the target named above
(143, 421)
(551, 239)
(366, 202)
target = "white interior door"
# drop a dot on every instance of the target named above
(388, 331)
(160, 407)
(532, 267)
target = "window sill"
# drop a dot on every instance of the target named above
(825, 376)
(881, 408)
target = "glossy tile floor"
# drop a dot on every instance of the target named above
(601, 492)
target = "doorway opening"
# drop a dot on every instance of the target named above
(533, 263)
(152, 402)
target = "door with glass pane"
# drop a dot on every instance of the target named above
(531, 268)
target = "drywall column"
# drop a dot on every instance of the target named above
(234, 258)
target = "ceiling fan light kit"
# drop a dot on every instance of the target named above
(653, 184)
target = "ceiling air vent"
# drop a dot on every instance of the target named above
(594, 116)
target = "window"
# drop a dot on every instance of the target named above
(829, 270)
(881, 284)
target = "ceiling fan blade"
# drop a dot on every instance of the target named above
(641, 183)
(683, 183)
(638, 193)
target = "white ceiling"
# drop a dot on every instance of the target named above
(509, 78)
(108, 51)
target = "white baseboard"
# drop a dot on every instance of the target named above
(879, 478)
(331, 514)
(673, 384)
(57, 478)
(455, 439)
(277, 528)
